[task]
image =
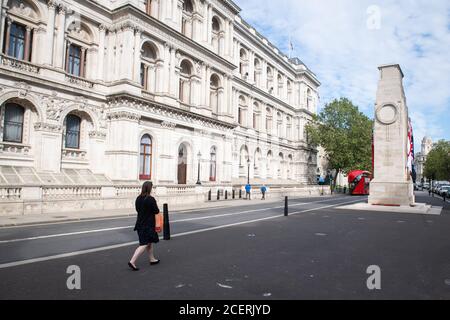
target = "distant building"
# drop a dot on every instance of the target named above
(421, 157)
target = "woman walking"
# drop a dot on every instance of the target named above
(146, 208)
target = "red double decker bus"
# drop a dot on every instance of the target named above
(359, 181)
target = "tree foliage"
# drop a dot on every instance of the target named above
(437, 165)
(346, 135)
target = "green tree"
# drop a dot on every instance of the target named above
(346, 135)
(437, 165)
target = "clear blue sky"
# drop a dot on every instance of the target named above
(344, 41)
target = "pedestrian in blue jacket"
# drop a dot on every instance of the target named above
(263, 191)
(248, 188)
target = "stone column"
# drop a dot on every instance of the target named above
(196, 27)
(101, 53)
(83, 60)
(59, 54)
(128, 43)
(91, 63)
(209, 24)
(49, 47)
(137, 56)
(222, 43)
(159, 74)
(221, 101)
(207, 89)
(8, 35)
(26, 55)
(166, 77)
(2, 23)
(173, 77)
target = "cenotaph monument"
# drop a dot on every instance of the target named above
(392, 184)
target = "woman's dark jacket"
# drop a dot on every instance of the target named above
(146, 208)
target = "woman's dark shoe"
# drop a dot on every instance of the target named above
(133, 267)
(155, 262)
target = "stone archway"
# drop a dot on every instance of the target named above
(182, 164)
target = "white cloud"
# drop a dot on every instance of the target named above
(333, 39)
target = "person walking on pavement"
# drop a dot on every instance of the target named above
(263, 191)
(146, 208)
(248, 189)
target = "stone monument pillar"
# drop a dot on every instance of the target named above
(392, 184)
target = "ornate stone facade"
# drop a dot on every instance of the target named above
(136, 90)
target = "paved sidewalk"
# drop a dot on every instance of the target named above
(32, 219)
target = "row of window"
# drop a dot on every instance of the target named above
(146, 161)
(19, 42)
(14, 122)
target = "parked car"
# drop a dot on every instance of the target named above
(445, 190)
(442, 189)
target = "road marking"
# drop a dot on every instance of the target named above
(81, 252)
(132, 226)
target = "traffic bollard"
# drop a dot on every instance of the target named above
(233, 194)
(240, 193)
(166, 225)
(218, 194)
(209, 195)
(286, 206)
(226, 194)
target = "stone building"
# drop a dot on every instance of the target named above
(97, 96)
(421, 158)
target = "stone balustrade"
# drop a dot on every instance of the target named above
(18, 64)
(15, 148)
(78, 192)
(74, 154)
(10, 193)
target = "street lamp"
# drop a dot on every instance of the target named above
(248, 175)
(199, 155)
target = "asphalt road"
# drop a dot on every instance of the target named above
(249, 252)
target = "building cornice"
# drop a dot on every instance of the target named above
(138, 103)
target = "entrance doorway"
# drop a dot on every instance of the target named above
(182, 164)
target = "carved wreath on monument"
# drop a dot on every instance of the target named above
(386, 114)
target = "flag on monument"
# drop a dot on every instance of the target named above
(410, 148)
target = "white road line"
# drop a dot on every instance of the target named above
(132, 226)
(76, 253)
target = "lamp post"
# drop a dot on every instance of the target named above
(248, 174)
(199, 155)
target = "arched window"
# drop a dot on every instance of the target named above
(268, 120)
(215, 39)
(289, 91)
(185, 81)
(280, 85)
(288, 127)
(16, 43)
(279, 124)
(72, 128)
(269, 163)
(214, 85)
(242, 111)
(76, 60)
(13, 124)
(269, 84)
(243, 63)
(213, 165)
(308, 99)
(186, 21)
(146, 155)
(257, 72)
(256, 112)
(148, 66)
(182, 164)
